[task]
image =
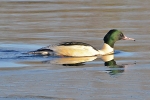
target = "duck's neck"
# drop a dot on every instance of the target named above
(106, 49)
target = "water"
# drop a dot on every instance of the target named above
(30, 25)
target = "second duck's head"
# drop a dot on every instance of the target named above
(114, 35)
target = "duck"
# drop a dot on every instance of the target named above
(80, 49)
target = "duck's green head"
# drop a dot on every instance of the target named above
(114, 35)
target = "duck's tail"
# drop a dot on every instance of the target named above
(42, 52)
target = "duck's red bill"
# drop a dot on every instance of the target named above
(127, 38)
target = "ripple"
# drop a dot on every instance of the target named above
(119, 53)
(30, 97)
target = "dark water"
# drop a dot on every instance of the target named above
(30, 25)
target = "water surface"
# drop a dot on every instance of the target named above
(29, 25)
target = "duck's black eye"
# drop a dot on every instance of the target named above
(121, 35)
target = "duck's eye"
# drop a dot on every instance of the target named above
(121, 35)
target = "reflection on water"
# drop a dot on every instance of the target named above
(80, 61)
(74, 61)
(112, 64)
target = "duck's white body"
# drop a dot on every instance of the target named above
(81, 50)
(74, 50)
(106, 49)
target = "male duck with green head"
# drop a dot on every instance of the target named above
(80, 49)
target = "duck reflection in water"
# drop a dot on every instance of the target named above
(72, 61)
(114, 68)
(109, 61)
